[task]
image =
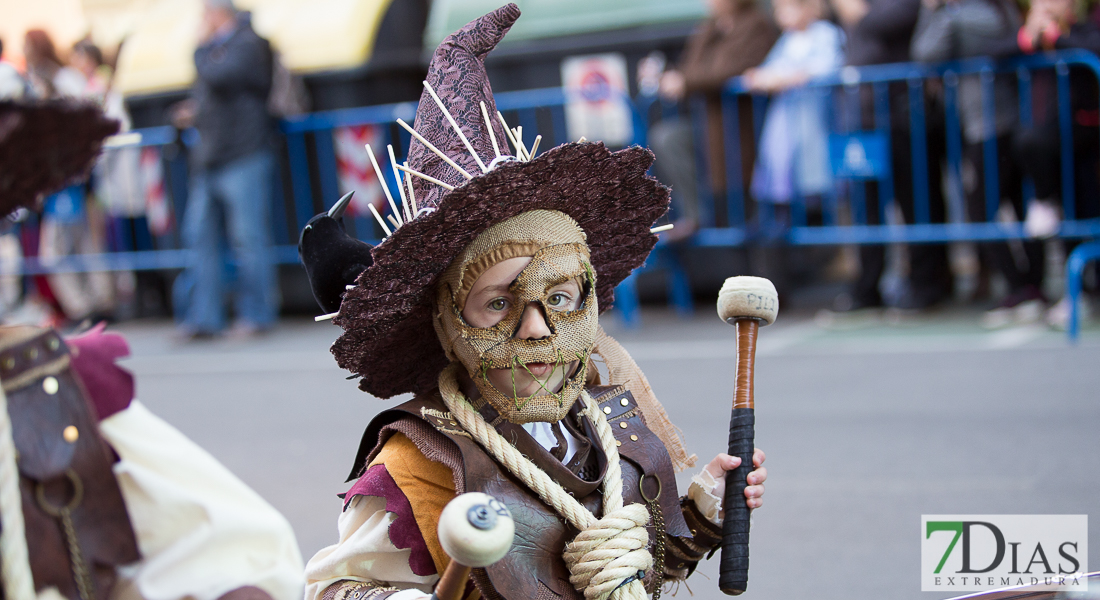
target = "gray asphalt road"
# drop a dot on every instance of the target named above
(867, 427)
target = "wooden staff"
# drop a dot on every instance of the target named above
(475, 530)
(746, 303)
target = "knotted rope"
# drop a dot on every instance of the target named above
(607, 552)
(15, 565)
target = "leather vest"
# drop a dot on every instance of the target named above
(534, 567)
(63, 464)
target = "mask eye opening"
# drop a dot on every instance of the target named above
(503, 324)
(587, 287)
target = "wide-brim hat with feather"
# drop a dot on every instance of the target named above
(462, 185)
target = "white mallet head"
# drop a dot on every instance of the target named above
(748, 298)
(476, 530)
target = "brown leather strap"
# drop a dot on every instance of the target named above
(746, 356)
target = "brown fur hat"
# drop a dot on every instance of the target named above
(45, 145)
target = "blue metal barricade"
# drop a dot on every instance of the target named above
(130, 245)
(860, 151)
(312, 186)
(864, 103)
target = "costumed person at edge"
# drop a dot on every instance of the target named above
(99, 498)
(484, 304)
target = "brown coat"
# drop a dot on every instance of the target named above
(715, 53)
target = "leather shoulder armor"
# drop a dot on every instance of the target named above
(534, 567)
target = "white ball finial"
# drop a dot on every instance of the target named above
(748, 297)
(476, 530)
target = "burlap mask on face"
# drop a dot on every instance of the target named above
(558, 254)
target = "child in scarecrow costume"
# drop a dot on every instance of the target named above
(484, 304)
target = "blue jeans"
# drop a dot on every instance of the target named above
(242, 190)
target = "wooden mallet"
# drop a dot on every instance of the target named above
(746, 303)
(475, 530)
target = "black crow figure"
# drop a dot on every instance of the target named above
(333, 259)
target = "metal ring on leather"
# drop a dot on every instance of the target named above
(78, 495)
(641, 487)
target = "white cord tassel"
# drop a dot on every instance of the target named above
(330, 315)
(400, 185)
(14, 560)
(457, 129)
(385, 188)
(661, 228)
(489, 126)
(535, 146)
(437, 151)
(429, 178)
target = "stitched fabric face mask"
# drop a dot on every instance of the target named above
(572, 333)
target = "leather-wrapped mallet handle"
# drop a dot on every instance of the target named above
(734, 566)
(747, 303)
(452, 584)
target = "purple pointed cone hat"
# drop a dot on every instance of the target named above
(388, 339)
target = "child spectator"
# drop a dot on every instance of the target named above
(793, 159)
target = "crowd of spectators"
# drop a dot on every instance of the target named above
(73, 221)
(790, 162)
(231, 179)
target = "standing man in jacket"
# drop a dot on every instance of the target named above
(232, 173)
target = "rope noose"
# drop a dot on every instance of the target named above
(15, 567)
(608, 557)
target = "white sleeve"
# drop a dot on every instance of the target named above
(365, 553)
(202, 532)
(701, 491)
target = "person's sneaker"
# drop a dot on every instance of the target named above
(1043, 219)
(1058, 315)
(1018, 308)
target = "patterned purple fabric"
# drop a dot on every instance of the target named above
(109, 386)
(404, 533)
(457, 73)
